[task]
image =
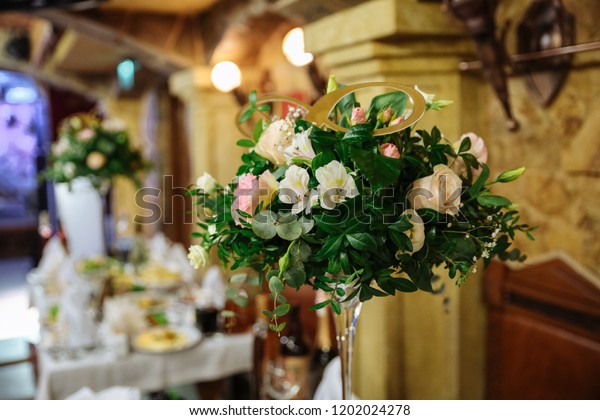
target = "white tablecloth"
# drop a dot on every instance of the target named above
(214, 358)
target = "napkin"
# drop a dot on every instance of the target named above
(177, 261)
(123, 316)
(75, 310)
(330, 387)
(158, 249)
(212, 292)
(53, 255)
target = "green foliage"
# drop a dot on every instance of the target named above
(366, 241)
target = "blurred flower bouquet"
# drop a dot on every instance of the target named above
(360, 199)
(95, 149)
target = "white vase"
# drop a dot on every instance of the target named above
(80, 211)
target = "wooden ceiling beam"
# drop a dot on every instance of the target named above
(153, 57)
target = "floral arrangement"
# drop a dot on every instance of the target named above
(96, 149)
(330, 209)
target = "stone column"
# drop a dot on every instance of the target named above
(411, 346)
(210, 124)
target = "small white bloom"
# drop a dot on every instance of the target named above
(198, 256)
(293, 189)
(206, 183)
(212, 229)
(301, 147)
(335, 184)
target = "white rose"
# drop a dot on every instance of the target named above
(478, 149)
(439, 191)
(69, 169)
(416, 233)
(206, 183)
(198, 256)
(274, 140)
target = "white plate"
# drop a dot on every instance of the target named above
(165, 339)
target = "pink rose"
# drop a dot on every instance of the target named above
(251, 191)
(386, 115)
(390, 150)
(439, 191)
(358, 116)
(478, 149)
(86, 134)
(397, 120)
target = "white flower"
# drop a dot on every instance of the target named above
(439, 191)
(335, 184)
(428, 96)
(293, 189)
(114, 125)
(69, 169)
(206, 183)
(301, 147)
(417, 232)
(198, 256)
(212, 229)
(61, 146)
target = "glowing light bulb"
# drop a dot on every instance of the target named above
(226, 76)
(293, 48)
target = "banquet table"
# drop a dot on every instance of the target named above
(215, 357)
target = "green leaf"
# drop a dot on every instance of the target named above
(228, 314)
(258, 129)
(264, 230)
(307, 224)
(331, 246)
(336, 306)
(395, 100)
(509, 176)
(300, 251)
(264, 108)
(245, 143)
(322, 139)
(295, 276)
(238, 278)
(358, 134)
(281, 310)
(247, 114)
(493, 201)
(252, 99)
(320, 305)
(289, 231)
(322, 159)
(478, 185)
(327, 223)
(345, 263)
(276, 285)
(268, 314)
(379, 170)
(362, 241)
(281, 326)
(464, 145)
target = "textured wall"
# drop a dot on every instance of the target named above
(559, 145)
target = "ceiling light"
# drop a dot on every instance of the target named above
(226, 76)
(293, 48)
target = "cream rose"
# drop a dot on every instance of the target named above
(439, 191)
(198, 256)
(206, 183)
(95, 160)
(478, 149)
(274, 140)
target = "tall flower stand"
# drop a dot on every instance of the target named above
(80, 211)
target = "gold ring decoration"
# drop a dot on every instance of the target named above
(318, 113)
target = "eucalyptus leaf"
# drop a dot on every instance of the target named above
(276, 285)
(307, 224)
(281, 310)
(289, 231)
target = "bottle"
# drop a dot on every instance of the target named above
(324, 350)
(295, 353)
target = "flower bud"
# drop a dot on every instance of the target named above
(358, 116)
